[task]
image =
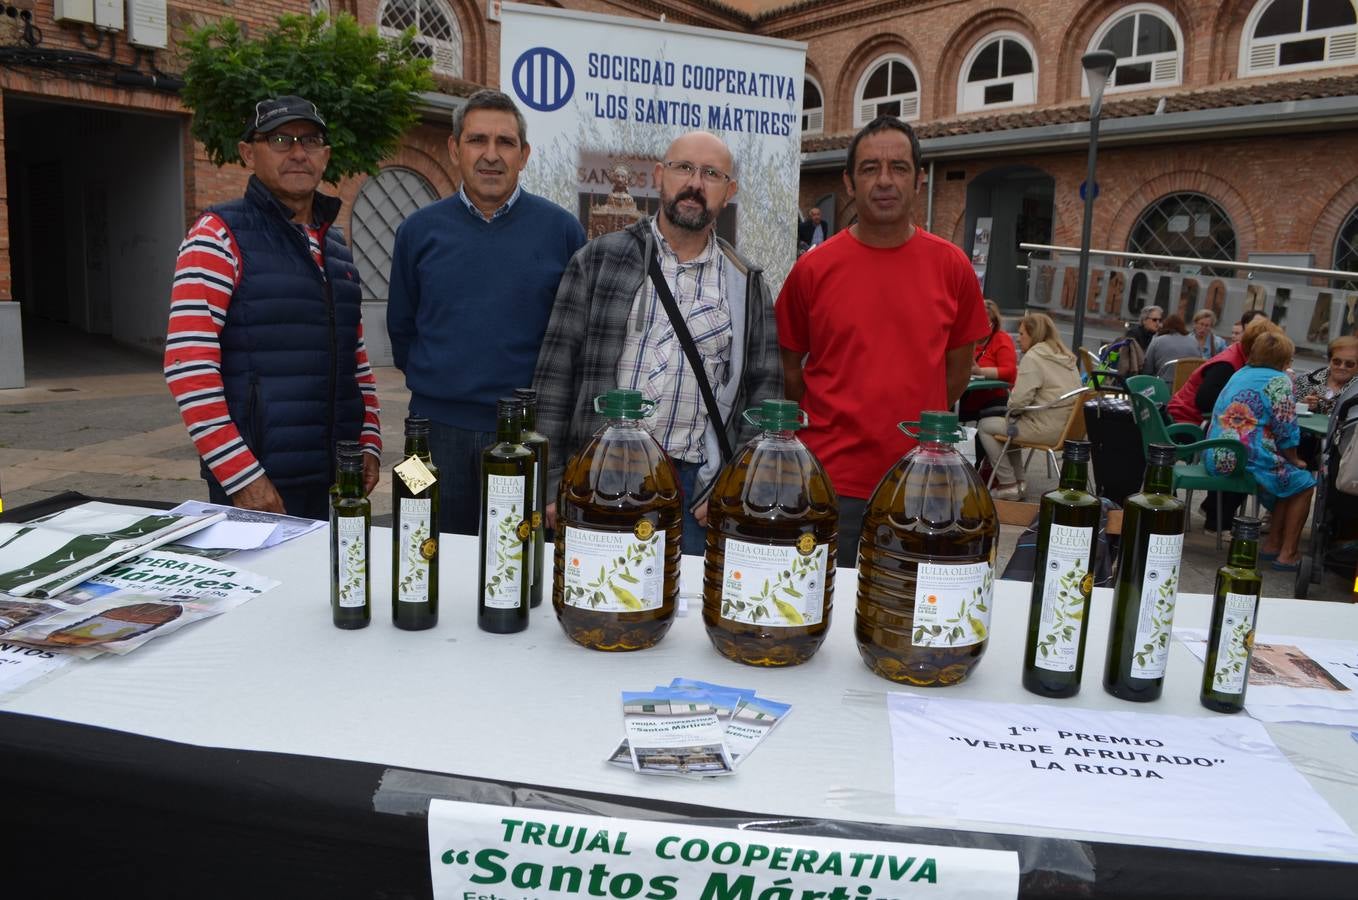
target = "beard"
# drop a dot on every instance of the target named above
(696, 221)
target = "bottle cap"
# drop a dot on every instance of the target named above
(777, 415)
(934, 426)
(623, 404)
(1245, 528)
(527, 395)
(417, 426)
(1075, 451)
(349, 455)
(507, 407)
(1161, 455)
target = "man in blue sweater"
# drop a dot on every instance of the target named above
(473, 278)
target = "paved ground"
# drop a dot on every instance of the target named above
(97, 418)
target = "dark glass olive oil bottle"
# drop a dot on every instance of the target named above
(350, 526)
(1063, 579)
(415, 533)
(537, 442)
(1235, 613)
(1147, 585)
(507, 494)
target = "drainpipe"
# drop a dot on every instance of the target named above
(929, 209)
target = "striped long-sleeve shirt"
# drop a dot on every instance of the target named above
(206, 274)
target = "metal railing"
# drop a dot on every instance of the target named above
(1199, 261)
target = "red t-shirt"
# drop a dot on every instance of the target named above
(876, 324)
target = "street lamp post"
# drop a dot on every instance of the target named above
(1098, 65)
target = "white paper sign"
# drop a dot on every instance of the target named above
(482, 851)
(1132, 773)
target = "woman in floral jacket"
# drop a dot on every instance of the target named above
(1256, 408)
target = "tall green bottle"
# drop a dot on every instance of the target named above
(1147, 585)
(507, 493)
(537, 442)
(415, 533)
(351, 603)
(1063, 578)
(1235, 611)
(618, 529)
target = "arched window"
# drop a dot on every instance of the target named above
(319, 7)
(890, 87)
(1185, 224)
(437, 35)
(999, 71)
(1299, 34)
(382, 204)
(1346, 251)
(813, 107)
(1148, 45)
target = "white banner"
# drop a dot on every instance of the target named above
(1154, 776)
(604, 96)
(483, 851)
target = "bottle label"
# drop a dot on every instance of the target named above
(351, 532)
(1237, 640)
(1066, 586)
(417, 546)
(952, 604)
(774, 586)
(612, 571)
(505, 531)
(1155, 618)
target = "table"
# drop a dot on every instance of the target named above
(266, 747)
(986, 384)
(1315, 423)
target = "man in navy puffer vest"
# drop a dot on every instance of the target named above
(264, 351)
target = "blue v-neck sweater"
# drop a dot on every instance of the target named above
(469, 303)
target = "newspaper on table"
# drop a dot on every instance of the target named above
(243, 529)
(136, 600)
(1295, 679)
(51, 554)
(21, 664)
(744, 718)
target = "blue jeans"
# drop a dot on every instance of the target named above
(457, 454)
(695, 535)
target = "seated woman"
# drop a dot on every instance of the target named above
(995, 357)
(1256, 408)
(1172, 342)
(1209, 345)
(1318, 389)
(1046, 371)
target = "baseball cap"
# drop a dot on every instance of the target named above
(270, 114)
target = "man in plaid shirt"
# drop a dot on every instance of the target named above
(609, 330)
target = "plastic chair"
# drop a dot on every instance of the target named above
(1074, 431)
(1150, 386)
(1192, 474)
(1183, 369)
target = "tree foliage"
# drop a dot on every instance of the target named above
(366, 86)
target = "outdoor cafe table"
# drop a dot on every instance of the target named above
(266, 752)
(1315, 423)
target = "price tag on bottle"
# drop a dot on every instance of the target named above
(415, 474)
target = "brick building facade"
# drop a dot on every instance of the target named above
(1230, 129)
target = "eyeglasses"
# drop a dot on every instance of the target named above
(1343, 363)
(685, 169)
(282, 143)
(1155, 319)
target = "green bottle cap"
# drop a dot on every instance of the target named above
(777, 415)
(934, 426)
(623, 404)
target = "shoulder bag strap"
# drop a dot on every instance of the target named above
(695, 361)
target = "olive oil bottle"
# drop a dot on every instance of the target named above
(507, 493)
(537, 442)
(926, 562)
(1063, 579)
(772, 533)
(1147, 585)
(616, 585)
(350, 524)
(1235, 612)
(415, 533)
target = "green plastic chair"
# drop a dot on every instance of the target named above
(1151, 386)
(1192, 474)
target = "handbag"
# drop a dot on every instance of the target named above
(695, 361)
(1346, 475)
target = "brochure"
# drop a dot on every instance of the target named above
(670, 735)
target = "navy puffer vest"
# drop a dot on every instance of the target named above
(289, 341)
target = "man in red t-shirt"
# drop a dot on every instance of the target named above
(877, 325)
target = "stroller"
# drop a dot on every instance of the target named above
(1334, 523)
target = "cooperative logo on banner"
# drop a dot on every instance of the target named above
(543, 79)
